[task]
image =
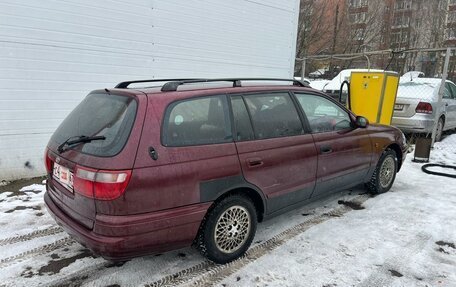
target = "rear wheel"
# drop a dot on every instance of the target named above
(384, 174)
(228, 229)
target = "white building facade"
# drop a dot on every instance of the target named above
(53, 53)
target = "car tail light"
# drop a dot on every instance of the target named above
(83, 181)
(101, 184)
(47, 161)
(424, 108)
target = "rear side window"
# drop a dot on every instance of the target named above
(106, 115)
(197, 121)
(323, 114)
(243, 127)
(273, 115)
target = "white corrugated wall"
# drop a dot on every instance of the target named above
(52, 53)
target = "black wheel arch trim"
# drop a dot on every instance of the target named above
(399, 158)
(211, 190)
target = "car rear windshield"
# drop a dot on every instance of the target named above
(419, 89)
(111, 116)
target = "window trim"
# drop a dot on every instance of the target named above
(171, 105)
(233, 122)
(349, 113)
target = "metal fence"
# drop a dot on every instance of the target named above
(426, 100)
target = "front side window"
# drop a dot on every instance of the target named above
(323, 115)
(273, 115)
(197, 121)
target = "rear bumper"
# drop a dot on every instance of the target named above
(123, 237)
(419, 123)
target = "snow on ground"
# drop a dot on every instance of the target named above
(405, 237)
(23, 211)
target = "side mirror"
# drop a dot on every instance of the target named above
(361, 122)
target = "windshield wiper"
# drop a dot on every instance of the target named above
(79, 139)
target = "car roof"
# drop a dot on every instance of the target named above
(412, 74)
(196, 91)
(421, 81)
(179, 88)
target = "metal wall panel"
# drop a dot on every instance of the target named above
(52, 53)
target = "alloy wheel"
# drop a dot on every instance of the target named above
(232, 229)
(387, 171)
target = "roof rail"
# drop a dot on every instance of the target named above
(124, 85)
(173, 85)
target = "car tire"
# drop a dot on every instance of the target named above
(385, 173)
(228, 229)
(439, 130)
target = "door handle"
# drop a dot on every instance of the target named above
(255, 162)
(325, 149)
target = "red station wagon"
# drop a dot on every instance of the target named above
(135, 171)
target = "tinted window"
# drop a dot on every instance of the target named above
(242, 122)
(323, 115)
(111, 116)
(197, 121)
(273, 115)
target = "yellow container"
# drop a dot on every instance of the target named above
(373, 95)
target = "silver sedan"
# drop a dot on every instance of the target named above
(417, 104)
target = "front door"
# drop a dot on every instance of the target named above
(275, 152)
(344, 152)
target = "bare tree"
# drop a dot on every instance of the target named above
(365, 27)
(313, 28)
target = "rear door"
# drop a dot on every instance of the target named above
(195, 155)
(276, 153)
(344, 153)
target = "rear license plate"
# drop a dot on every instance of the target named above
(63, 175)
(398, 107)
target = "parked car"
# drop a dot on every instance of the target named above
(409, 76)
(317, 84)
(332, 88)
(417, 105)
(140, 171)
(304, 80)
